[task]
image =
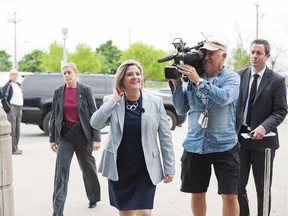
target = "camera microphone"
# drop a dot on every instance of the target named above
(167, 58)
(143, 110)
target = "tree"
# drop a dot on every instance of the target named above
(5, 64)
(278, 51)
(240, 59)
(111, 56)
(147, 56)
(51, 60)
(85, 59)
(31, 62)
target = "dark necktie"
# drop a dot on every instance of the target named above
(251, 99)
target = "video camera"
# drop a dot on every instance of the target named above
(189, 55)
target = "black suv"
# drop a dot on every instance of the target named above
(38, 90)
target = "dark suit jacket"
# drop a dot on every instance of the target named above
(86, 107)
(6, 95)
(269, 108)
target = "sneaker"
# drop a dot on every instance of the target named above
(17, 152)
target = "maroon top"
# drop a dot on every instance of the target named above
(70, 114)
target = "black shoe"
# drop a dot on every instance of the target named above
(92, 204)
(17, 152)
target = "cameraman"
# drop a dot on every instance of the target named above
(210, 100)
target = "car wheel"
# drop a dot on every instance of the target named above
(41, 127)
(45, 123)
(171, 119)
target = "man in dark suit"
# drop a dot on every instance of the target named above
(258, 113)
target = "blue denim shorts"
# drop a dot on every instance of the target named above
(196, 171)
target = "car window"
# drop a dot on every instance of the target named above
(98, 86)
(39, 84)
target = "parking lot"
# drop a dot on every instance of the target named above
(34, 171)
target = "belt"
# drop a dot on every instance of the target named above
(67, 128)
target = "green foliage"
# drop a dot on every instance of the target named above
(111, 56)
(240, 58)
(107, 58)
(85, 59)
(5, 64)
(31, 62)
(51, 60)
(147, 56)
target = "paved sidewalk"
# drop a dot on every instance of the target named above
(34, 172)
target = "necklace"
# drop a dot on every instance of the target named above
(132, 106)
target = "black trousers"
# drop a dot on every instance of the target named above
(250, 158)
(74, 141)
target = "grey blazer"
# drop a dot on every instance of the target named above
(86, 107)
(154, 121)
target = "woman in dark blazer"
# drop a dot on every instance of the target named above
(132, 156)
(70, 131)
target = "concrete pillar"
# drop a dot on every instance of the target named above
(6, 169)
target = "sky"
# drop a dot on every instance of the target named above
(152, 22)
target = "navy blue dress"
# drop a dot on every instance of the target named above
(134, 189)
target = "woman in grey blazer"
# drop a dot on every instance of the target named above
(131, 159)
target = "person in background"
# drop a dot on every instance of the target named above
(210, 99)
(12, 102)
(70, 131)
(131, 159)
(258, 113)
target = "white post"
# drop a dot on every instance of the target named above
(64, 32)
(267, 177)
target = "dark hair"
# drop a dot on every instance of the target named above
(264, 42)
